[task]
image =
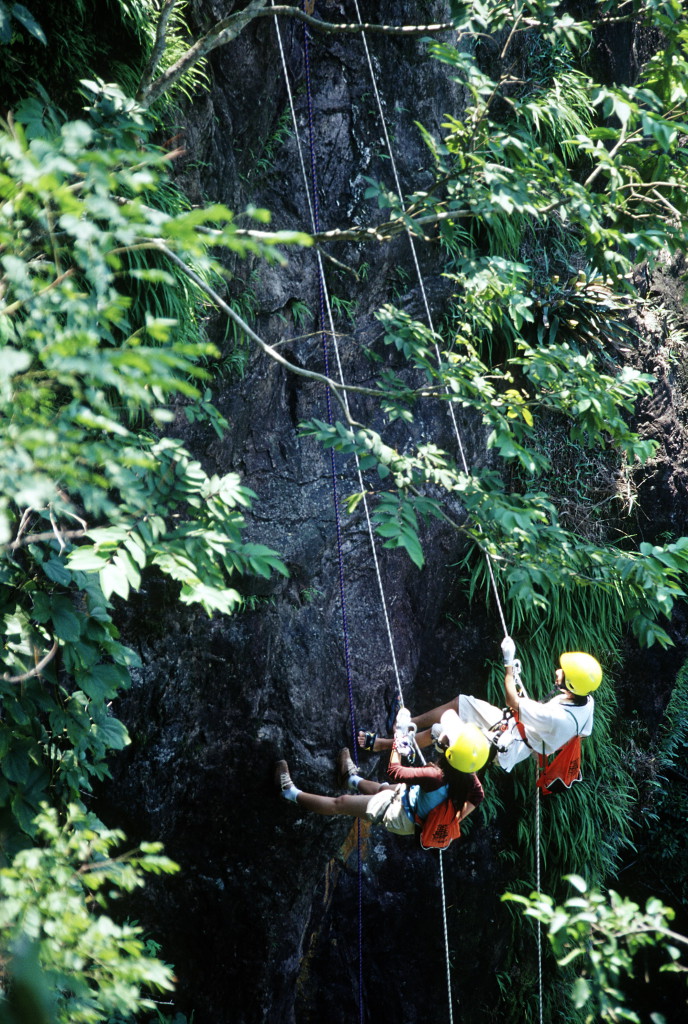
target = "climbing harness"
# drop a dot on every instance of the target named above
(562, 769)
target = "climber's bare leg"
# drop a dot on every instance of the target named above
(350, 804)
(429, 718)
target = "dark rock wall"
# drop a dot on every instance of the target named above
(263, 921)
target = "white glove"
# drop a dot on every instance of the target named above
(508, 650)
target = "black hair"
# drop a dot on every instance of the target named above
(579, 699)
(459, 783)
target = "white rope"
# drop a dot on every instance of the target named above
(446, 939)
(452, 414)
(328, 306)
(538, 886)
(397, 184)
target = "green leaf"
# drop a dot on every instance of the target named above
(411, 543)
(16, 765)
(129, 567)
(112, 733)
(580, 992)
(5, 740)
(136, 548)
(29, 22)
(66, 622)
(388, 529)
(103, 682)
(24, 813)
(86, 559)
(55, 570)
(114, 580)
(5, 24)
(558, 922)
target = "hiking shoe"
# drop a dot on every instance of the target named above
(345, 766)
(282, 776)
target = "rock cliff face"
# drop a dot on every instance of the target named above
(263, 921)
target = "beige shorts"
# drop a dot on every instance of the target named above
(385, 808)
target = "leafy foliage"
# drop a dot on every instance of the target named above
(600, 936)
(93, 492)
(88, 378)
(66, 964)
(531, 166)
(661, 861)
(15, 17)
(57, 46)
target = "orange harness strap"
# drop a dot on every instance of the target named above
(564, 766)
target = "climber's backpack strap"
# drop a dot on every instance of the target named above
(440, 827)
(564, 768)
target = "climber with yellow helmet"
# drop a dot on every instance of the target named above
(542, 727)
(403, 806)
(525, 726)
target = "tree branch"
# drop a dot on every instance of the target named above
(36, 671)
(14, 306)
(643, 930)
(230, 27)
(380, 233)
(356, 27)
(223, 32)
(337, 389)
(35, 538)
(158, 46)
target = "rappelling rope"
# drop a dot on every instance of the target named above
(446, 937)
(455, 426)
(421, 282)
(326, 313)
(327, 308)
(538, 883)
(457, 433)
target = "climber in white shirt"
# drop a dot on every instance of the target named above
(524, 725)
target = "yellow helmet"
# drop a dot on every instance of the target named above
(469, 749)
(583, 673)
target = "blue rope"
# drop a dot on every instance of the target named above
(330, 419)
(335, 498)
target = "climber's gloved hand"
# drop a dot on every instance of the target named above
(508, 650)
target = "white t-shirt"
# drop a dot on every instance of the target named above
(549, 725)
